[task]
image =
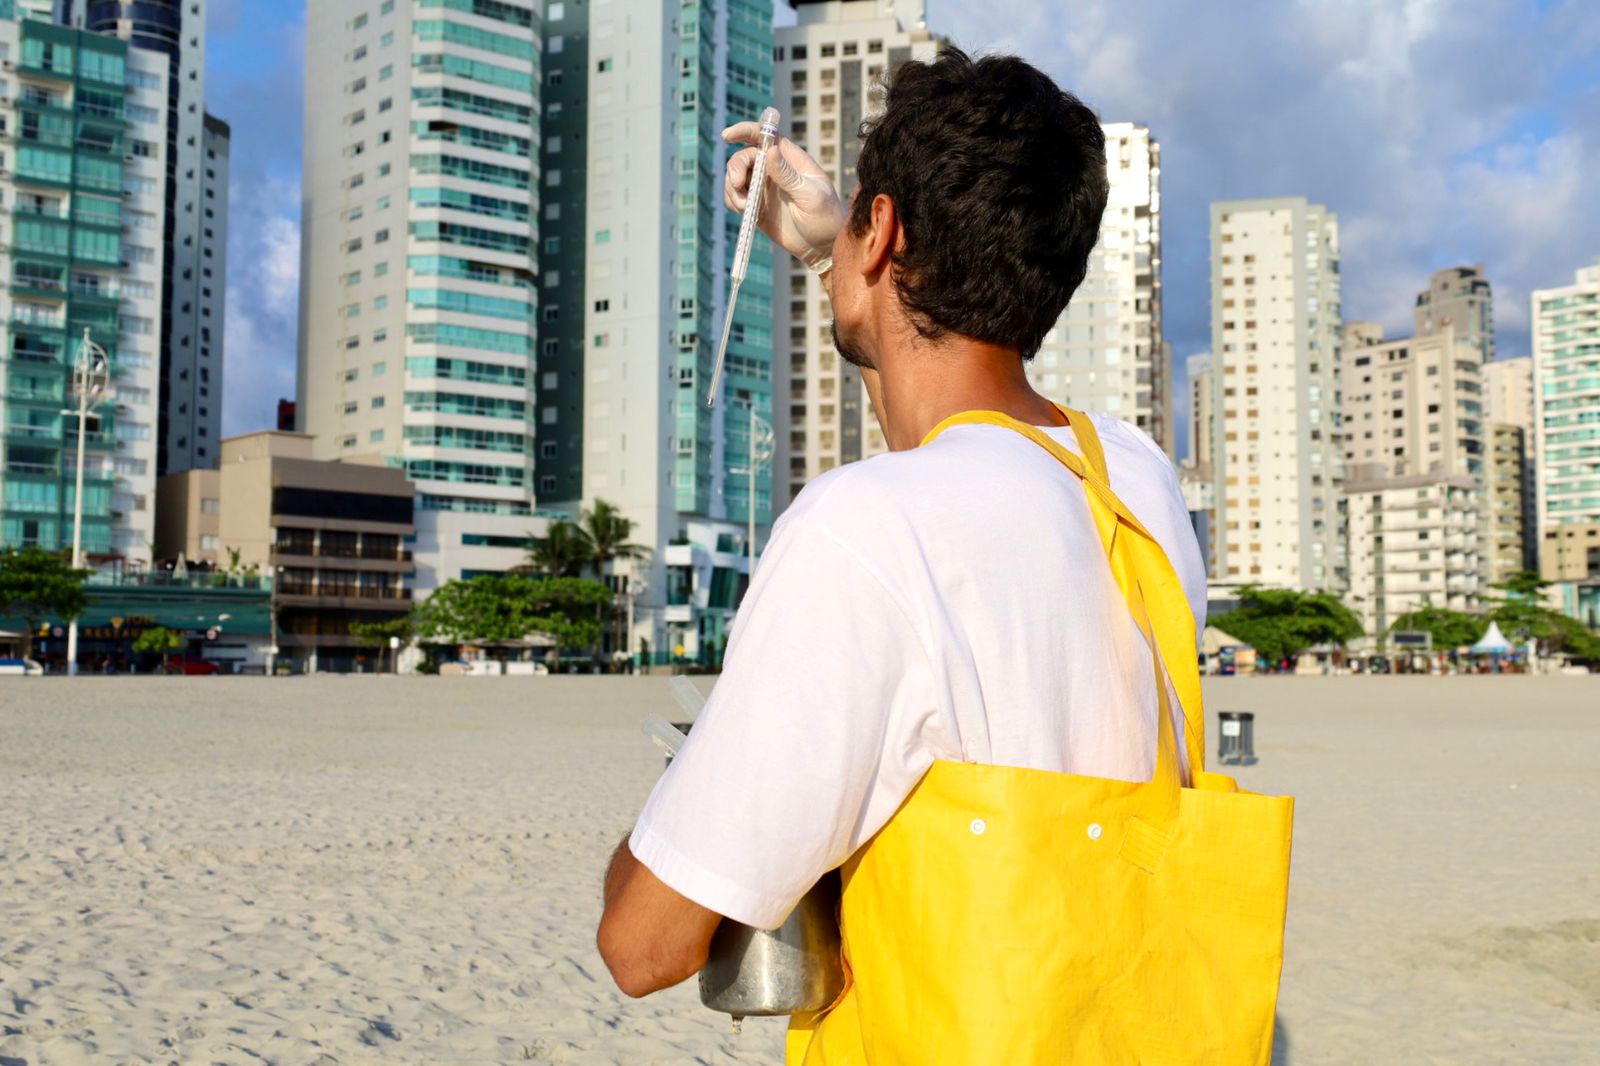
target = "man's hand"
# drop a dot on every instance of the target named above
(650, 936)
(800, 209)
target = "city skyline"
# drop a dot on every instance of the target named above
(1462, 162)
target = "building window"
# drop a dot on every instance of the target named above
(208, 542)
(602, 305)
(210, 505)
(603, 66)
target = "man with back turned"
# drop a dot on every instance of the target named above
(946, 602)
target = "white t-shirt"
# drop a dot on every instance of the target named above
(948, 602)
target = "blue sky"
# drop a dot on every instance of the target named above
(1440, 131)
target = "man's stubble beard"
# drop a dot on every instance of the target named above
(850, 353)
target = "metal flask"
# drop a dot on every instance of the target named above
(794, 968)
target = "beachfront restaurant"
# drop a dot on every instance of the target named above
(221, 618)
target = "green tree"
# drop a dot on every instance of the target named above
(606, 530)
(158, 640)
(1450, 629)
(1523, 585)
(378, 634)
(1523, 616)
(1522, 620)
(562, 552)
(38, 585)
(499, 608)
(1282, 623)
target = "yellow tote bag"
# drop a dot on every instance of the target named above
(1008, 916)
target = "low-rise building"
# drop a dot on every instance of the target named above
(1413, 543)
(331, 534)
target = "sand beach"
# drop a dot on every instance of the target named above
(376, 869)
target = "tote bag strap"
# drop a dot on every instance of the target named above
(1138, 562)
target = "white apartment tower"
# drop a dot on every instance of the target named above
(1566, 380)
(418, 262)
(1107, 353)
(827, 71)
(194, 238)
(625, 400)
(1275, 346)
(1416, 450)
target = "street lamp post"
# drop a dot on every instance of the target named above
(91, 377)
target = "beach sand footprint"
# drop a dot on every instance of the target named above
(1559, 961)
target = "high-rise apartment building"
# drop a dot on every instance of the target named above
(1413, 405)
(1508, 391)
(1459, 297)
(1202, 414)
(564, 234)
(1506, 488)
(1508, 403)
(659, 83)
(1566, 376)
(1278, 449)
(83, 179)
(829, 66)
(194, 234)
(1107, 353)
(418, 260)
(1415, 449)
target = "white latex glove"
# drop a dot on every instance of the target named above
(800, 209)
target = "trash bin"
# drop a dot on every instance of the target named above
(1238, 745)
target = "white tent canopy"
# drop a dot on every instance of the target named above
(1492, 642)
(1213, 640)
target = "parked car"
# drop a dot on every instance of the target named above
(20, 668)
(189, 666)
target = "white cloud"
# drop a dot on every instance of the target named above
(263, 300)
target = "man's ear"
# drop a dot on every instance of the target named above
(882, 238)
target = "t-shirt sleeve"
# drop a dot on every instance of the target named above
(812, 737)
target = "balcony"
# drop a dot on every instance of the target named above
(27, 316)
(303, 550)
(35, 469)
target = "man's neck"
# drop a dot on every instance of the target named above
(920, 385)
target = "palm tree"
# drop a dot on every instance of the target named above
(562, 552)
(606, 530)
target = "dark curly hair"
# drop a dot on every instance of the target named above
(998, 178)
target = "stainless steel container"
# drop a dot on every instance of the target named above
(794, 968)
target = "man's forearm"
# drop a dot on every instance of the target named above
(617, 873)
(650, 936)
